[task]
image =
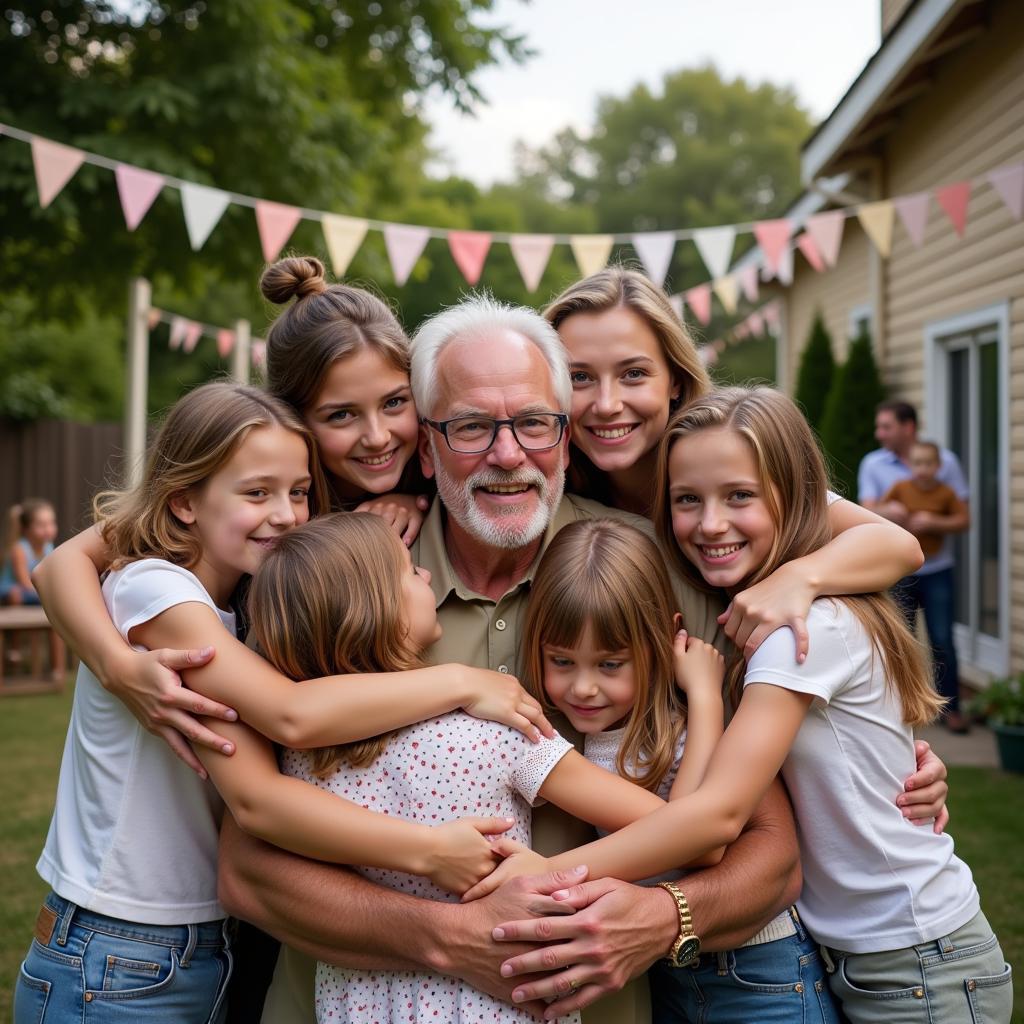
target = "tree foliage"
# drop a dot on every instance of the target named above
(848, 423)
(817, 368)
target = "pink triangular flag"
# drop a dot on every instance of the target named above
(826, 230)
(741, 330)
(772, 236)
(258, 351)
(154, 317)
(784, 269)
(137, 189)
(655, 250)
(225, 342)
(531, 253)
(708, 356)
(276, 222)
(469, 250)
(699, 300)
(755, 322)
(771, 316)
(404, 243)
(806, 244)
(913, 211)
(179, 325)
(193, 332)
(1009, 183)
(55, 165)
(749, 282)
(953, 199)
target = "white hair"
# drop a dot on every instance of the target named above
(476, 318)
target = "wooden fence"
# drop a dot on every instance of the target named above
(66, 463)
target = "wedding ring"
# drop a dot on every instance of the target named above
(573, 985)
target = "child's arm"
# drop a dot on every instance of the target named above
(404, 512)
(147, 683)
(866, 554)
(700, 671)
(300, 817)
(19, 566)
(334, 709)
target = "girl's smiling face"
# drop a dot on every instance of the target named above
(365, 423)
(720, 517)
(594, 689)
(241, 511)
(622, 386)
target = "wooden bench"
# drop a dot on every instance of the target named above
(36, 674)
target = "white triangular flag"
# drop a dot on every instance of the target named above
(715, 247)
(655, 250)
(203, 207)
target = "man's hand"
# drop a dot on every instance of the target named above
(923, 799)
(149, 685)
(617, 932)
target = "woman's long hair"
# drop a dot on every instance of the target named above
(616, 287)
(200, 434)
(327, 600)
(610, 576)
(794, 484)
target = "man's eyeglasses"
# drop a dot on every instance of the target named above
(471, 435)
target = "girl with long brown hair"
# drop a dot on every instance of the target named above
(743, 490)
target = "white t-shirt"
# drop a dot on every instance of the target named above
(134, 831)
(872, 880)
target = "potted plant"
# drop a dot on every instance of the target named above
(1002, 705)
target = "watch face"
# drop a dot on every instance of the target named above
(688, 951)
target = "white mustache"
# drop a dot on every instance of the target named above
(495, 477)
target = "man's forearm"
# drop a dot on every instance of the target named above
(326, 911)
(758, 877)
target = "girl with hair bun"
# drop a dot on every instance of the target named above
(339, 357)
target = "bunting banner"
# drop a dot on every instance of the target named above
(749, 282)
(715, 246)
(784, 267)
(876, 219)
(275, 222)
(913, 213)
(591, 252)
(179, 325)
(676, 302)
(258, 351)
(531, 253)
(469, 250)
(137, 190)
(193, 332)
(655, 250)
(953, 199)
(343, 236)
(225, 342)
(1009, 183)
(728, 291)
(806, 244)
(404, 243)
(55, 165)
(203, 207)
(773, 237)
(826, 231)
(755, 324)
(699, 300)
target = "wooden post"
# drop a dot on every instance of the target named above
(136, 379)
(241, 356)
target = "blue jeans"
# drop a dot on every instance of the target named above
(934, 593)
(88, 967)
(780, 982)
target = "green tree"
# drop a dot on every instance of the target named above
(817, 368)
(847, 426)
(751, 361)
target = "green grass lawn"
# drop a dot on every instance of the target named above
(986, 807)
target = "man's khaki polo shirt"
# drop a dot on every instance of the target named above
(485, 634)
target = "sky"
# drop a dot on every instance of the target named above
(588, 48)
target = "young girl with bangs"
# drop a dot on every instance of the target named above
(896, 911)
(342, 594)
(133, 925)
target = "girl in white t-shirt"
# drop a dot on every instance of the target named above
(743, 490)
(342, 594)
(133, 928)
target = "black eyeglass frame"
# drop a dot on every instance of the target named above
(441, 426)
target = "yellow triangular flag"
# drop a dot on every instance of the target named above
(591, 252)
(728, 291)
(877, 219)
(343, 236)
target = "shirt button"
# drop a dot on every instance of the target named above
(503, 669)
(500, 624)
(919, 993)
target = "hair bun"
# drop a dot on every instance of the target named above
(294, 277)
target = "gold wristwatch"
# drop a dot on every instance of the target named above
(686, 948)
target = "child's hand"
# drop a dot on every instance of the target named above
(699, 668)
(404, 512)
(497, 697)
(460, 853)
(519, 860)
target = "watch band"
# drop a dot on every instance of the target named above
(686, 947)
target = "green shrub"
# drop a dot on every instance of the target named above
(817, 370)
